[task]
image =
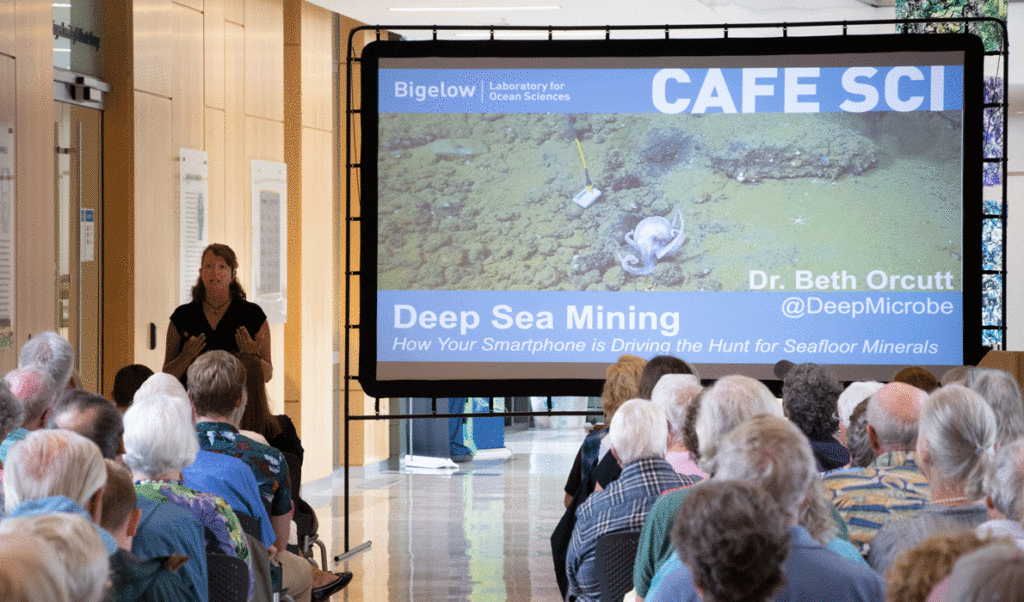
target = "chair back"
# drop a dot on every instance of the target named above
(615, 555)
(228, 578)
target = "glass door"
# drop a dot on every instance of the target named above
(78, 194)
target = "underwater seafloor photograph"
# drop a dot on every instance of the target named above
(635, 202)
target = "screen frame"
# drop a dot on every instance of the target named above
(497, 385)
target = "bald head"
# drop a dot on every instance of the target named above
(892, 415)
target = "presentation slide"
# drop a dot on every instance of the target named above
(531, 211)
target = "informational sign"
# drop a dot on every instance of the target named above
(194, 192)
(6, 235)
(270, 239)
(87, 235)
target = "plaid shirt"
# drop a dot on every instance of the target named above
(620, 508)
(867, 498)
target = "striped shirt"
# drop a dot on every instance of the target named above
(867, 498)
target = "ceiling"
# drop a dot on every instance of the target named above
(597, 12)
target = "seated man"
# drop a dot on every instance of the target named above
(639, 439)
(36, 392)
(216, 386)
(771, 452)
(91, 416)
(893, 486)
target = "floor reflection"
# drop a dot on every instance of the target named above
(480, 534)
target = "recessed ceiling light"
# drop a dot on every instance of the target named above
(451, 9)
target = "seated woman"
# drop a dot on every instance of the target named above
(955, 439)
(278, 431)
(159, 441)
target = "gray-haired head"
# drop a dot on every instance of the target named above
(48, 463)
(992, 572)
(52, 353)
(770, 451)
(809, 396)
(1004, 480)
(673, 393)
(956, 437)
(727, 404)
(12, 412)
(90, 415)
(639, 430)
(1002, 392)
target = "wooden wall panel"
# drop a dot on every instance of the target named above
(236, 184)
(319, 412)
(234, 11)
(293, 157)
(317, 67)
(187, 83)
(154, 50)
(214, 125)
(196, 5)
(156, 225)
(264, 59)
(7, 27)
(213, 50)
(34, 212)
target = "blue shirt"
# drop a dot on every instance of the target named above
(621, 508)
(60, 503)
(813, 572)
(13, 437)
(231, 479)
(166, 529)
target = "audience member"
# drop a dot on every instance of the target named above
(849, 399)
(621, 384)
(810, 394)
(954, 444)
(734, 539)
(659, 366)
(12, 413)
(51, 353)
(30, 571)
(126, 382)
(217, 390)
(771, 452)
(1002, 393)
(36, 392)
(723, 406)
(955, 376)
(639, 438)
(994, 573)
(91, 416)
(134, 579)
(278, 431)
(159, 441)
(78, 548)
(892, 486)
(1004, 489)
(675, 393)
(916, 572)
(917, 376)
(857, 440)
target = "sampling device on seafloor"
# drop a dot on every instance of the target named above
(589, 194)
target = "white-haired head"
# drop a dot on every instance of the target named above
(48, 463)
(1000, 389)
(639, 430)
(851, 397)
(725, 405)
(51, 352)
(159, 436)
(1004, 480)
(673, 393)
(36, 391)
(31, 570)
(78, 548)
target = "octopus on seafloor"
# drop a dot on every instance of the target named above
(653, 238)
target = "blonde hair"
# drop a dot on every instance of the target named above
(53, 462)
(30, 570)
(78, 547)
(621, 383)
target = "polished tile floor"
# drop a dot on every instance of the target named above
(479, 534)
